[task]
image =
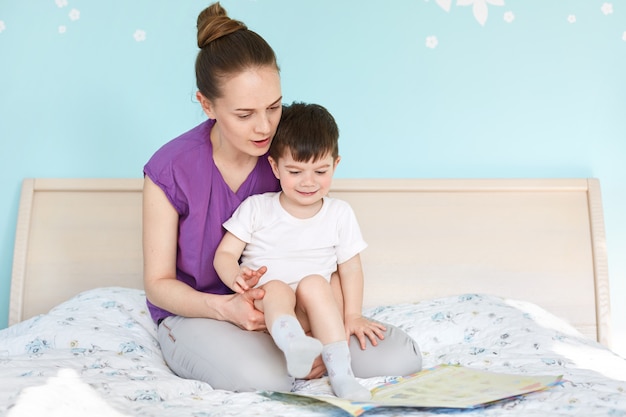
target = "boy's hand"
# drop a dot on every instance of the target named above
(247, 278)
(363, 328)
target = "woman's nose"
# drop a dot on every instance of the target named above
(264, 124)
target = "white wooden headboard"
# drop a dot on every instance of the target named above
(540, 240)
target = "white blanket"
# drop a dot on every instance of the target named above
(104, 343)
(64, 395)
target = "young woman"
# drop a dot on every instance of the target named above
(193, 184)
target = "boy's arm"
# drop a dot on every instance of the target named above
(226, 262)
(351, 278)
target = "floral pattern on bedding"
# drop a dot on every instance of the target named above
(108, 338)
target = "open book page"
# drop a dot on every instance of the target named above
(444, 386)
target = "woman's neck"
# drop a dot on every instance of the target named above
(234, 165)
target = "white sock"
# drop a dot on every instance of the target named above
(300, 350)
(337, 359)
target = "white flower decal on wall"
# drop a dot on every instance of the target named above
(431, 42)
(2, 26)
(139, 35)
(607, 8)
(74, 14)
(444, 4)
(480, 10)
(479, 7)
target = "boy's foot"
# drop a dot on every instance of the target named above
(300, 355)
(348, 387)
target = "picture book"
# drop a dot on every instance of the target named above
(444, 386)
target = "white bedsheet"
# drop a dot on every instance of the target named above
(103, 342)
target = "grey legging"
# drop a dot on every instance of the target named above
(233, 359)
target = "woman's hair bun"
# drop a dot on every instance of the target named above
(213, 23)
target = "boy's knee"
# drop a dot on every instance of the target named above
(313, 288)
(313, 282)
(277, 287)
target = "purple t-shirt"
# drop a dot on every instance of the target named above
(184, 169)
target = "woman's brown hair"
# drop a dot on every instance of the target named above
(227, 47)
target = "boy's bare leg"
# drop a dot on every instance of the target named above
(316, 300)
(278, 306)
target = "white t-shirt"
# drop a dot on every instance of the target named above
(293, 248)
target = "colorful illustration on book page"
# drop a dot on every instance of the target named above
(451, 386)
(444, 386)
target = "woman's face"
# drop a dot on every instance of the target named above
(248, 112)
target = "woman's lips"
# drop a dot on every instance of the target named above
(261, 143)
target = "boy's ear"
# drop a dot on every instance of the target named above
(206, 104)
(274, 166)
(336, 161)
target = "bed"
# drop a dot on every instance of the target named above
(504, 275)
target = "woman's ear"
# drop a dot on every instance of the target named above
(274, 165)
(206, 104)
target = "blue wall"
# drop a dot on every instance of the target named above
(420, 88)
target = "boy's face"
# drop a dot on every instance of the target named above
(304, 183)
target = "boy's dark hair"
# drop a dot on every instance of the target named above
(308, 131)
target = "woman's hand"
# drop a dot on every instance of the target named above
(364, 328)
(239, 310)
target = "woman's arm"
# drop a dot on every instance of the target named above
(160, 236)
(351, 279)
